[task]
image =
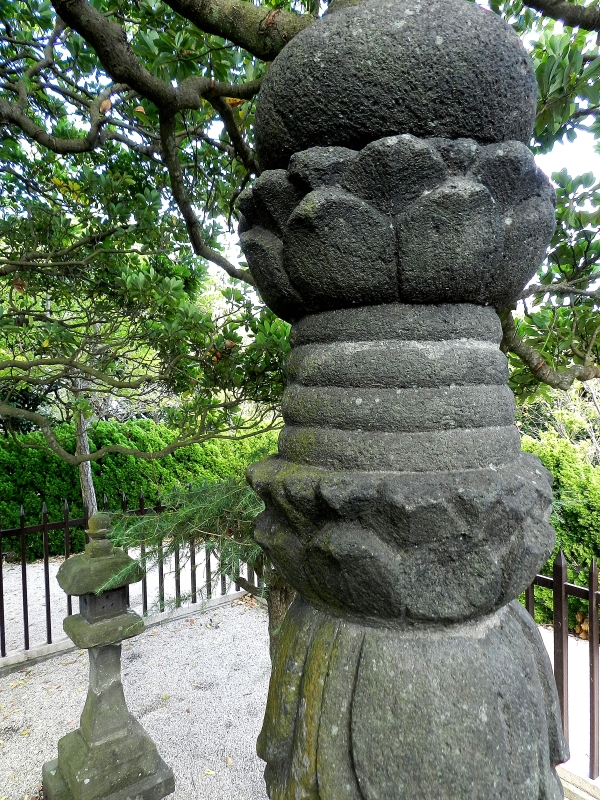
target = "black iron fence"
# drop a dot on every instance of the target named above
(561, 591)
(214, 580)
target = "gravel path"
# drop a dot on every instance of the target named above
(198, 685)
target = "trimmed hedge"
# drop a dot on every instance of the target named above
(576, 514)
(32, 477)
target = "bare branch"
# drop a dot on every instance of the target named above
(11, 114)
(34, 363)
(242, 150)
(118, 58)
(561, 288)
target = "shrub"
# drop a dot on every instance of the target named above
(33, 476)
(576, 511)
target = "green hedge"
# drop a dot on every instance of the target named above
(576, 514)
(32, 477)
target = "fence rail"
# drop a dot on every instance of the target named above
(558, 584)
(561, 591)
(68, 524)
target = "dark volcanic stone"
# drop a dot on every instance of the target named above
(527, 229)
(320, 166)
(264, 252)
(387, 67)
(275, 197)
(399, 322)
(509, 171)
(410, 527)
(458, 155)
(449, 241)
(468, 712)
(383, 409)
(335, 449)
(392, 172)
(339, 251)
(397, 364)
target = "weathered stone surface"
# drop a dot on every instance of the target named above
(400, 507)
(275, 197)
(458, 154)
(247, 208)
(527, 228)
(378, 544)
(94, 607)
(404, 71)
(399, 410)
(433, 323)
(336, 449)
(354, 694)
(338, 250)
(108, 631)
(81, 574)
(110, 756)
(391, 173)
(264, 252)
(320, 166)
(509, 172)
(448, 243)
(461, 223)
(154, 787)
(398, 364)
(399, 498)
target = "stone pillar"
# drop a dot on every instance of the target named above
(110, 756)
(398, 207)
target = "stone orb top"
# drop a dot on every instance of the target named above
(444, 68)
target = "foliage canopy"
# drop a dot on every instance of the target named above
(126, 135)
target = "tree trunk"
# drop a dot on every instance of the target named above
(88, 492)
(279, 598)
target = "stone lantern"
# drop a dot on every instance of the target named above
(399, 206)
(110, 756)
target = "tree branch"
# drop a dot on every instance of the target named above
(170, 155)
(242, 150)
(247, 587)
(560, 288)
(586, 17)
(540, 368)
(118, 58)
(259, 30)
(56, 447)
(27, 366)
(11, 114)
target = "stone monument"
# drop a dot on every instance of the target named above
(110, 756)
(399, 206)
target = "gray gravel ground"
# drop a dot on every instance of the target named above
(198, 685)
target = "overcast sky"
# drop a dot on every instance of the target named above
(578, 157)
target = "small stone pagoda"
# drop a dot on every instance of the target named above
(110, 756)
(399, 206)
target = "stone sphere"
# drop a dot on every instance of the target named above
(444, 68)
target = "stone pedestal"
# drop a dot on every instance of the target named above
(400, 506)
(110, 756)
